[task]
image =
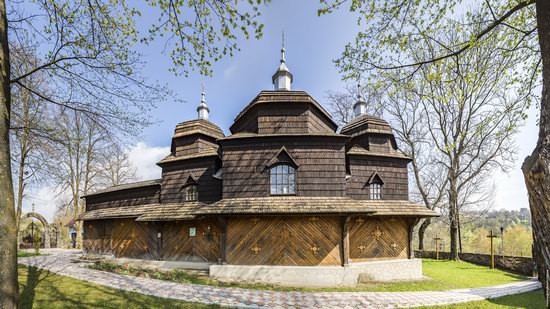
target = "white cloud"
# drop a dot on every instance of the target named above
(145, 158)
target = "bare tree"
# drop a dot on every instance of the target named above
(471, 116)
(116, 168)
(340, 103)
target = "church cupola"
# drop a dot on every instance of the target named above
(360, 107)
(203, 109)
(282, 79)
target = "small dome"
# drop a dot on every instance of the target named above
(366, 124)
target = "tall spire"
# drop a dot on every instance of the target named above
(282, 79)
(360, 106)
(203, 109)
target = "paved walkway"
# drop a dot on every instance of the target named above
(60, 262)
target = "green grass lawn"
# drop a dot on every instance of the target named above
(42, 289)
(444, 275)
(28, 253)
(529, 300)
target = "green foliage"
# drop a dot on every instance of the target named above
(391, 27)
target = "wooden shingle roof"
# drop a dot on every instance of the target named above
(172, 158)
(168, 212)
(360, 151)
(366, 124)
(139, 184)
(198, 126)
(282, 205)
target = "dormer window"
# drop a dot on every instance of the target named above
(375, 187)
(375, 191)
(191, 189)
(283, 180)
(191, 193)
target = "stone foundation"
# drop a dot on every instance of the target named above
(321, 276)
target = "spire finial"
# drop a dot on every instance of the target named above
(283, 47)
(360, 107)
(203, 109)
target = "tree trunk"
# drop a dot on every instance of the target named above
(536, 167)
(421, 233)
(8, 236)
(453, 216)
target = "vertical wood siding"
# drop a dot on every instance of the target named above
(175, 175)
(178, 245)
(393, 172)
(97, 237)
(284, 240)
(129, 197)
(392, 243)
(321, 170)
(133, 239)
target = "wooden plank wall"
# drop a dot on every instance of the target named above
(135, 239)
(378, 239)
(284, 240)
(393, 172)
(177, 245)
(321, 170)
(175, 175)
(97, 237)
(193, 144)
(130, 197)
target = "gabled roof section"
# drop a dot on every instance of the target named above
(284, 97)
(198, 126)
(375, 178)
(282, 156)
(394, 153)
(191, 180)
(128, 186)
(366, 124)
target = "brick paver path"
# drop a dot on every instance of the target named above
(60, 262)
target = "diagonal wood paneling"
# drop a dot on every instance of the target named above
(177, 245)
(284, 240)
(378, 238)
(135, 239)
(97, 237)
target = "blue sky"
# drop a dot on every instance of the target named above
(312, 43)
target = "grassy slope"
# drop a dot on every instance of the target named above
(445, 275)
(42, 289)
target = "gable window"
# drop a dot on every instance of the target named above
(283, 180)
(191, 193)
(375, 191)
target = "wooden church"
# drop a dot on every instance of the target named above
(283, 199)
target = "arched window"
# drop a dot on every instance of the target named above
(283, 180)
(191, 193)
(375, 190)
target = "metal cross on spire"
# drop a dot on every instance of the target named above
(283, 47)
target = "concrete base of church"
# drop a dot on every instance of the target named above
(321, 276)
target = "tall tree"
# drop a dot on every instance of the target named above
(521, 27)
(87, 52)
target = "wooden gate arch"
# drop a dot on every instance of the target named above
(44, 223)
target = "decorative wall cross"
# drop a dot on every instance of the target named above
(256, 249)
(285, 234)
(361, 248)
(255, 220)
(359, 220)
(313, 219)
(377, 233)
(394, 245)
(314, 249)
